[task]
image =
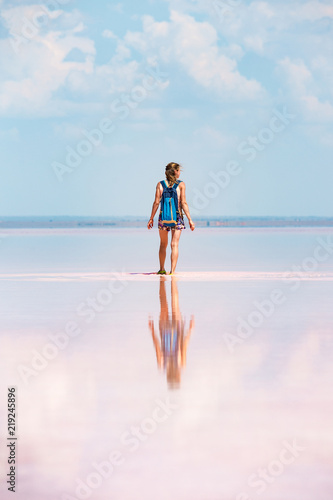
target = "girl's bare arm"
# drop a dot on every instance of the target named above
(158, 196)
(156, 343)
(184, 205)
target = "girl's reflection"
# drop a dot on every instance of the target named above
(172, 346)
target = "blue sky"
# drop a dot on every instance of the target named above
(96, 98)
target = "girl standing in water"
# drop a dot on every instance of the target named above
(172, 173)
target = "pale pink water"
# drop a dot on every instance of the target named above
(251, 413)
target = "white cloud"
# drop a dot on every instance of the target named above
(264, 8)
(302, 87)
(323, 68)
(270, 28)
(238, 22)
(312, 11)
(108, 34)
(255, 43)
(29, 20)
(194, 46)
(208, 54)
(34, 73)
(230, 10)
(316, 109)
(115, 76)
(189, 6)
(118, 7)
(33, 64)
(297, 74)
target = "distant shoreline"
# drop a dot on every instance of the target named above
(107, 222)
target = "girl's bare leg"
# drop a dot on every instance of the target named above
(164, 312)
(175, 299)
(174, 248)
(163, 247)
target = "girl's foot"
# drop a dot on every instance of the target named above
(161, 271)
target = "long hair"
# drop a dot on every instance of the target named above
(170, 172)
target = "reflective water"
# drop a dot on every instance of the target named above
(213, 384)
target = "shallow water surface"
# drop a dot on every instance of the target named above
(214, 384)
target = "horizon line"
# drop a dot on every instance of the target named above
(203, 217)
